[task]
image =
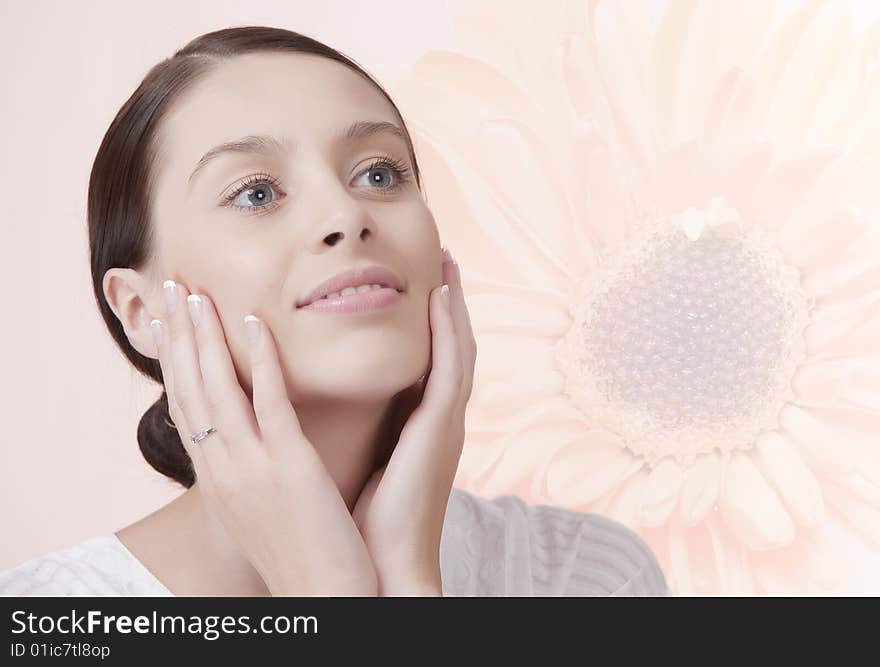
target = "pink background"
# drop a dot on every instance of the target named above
(71, 467)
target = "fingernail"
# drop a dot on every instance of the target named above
(156, 326)
(252, 327)
(194, 301)
(444, 292)
(169, 287)
(447, 253)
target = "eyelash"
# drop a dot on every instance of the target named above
(399, 168)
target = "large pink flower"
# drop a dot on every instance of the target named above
(670, 247)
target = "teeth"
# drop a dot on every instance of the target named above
(348, 291)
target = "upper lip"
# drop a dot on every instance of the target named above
(368, 275)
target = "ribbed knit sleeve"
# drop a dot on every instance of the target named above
(504, 546)
(587, 554)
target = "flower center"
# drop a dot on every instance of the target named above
(687, 340)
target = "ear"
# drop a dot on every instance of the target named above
(129, 296)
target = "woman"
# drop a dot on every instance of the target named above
(261, 246)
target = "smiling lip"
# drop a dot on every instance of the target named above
(356, 303)
(370, 275)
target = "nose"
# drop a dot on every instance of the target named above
(344, 217)
(337, 236)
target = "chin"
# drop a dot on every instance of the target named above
(360, 383)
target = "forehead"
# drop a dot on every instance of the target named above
(301, 97)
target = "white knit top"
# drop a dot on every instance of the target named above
(489, 547)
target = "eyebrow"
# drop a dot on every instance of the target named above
(272, 146)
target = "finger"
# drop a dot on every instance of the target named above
(222, 390)
(163, 344)
(444, 381)
(423, 441)
(274, 413)
(462, 320)
(189, 394)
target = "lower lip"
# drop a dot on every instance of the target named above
(356, 303)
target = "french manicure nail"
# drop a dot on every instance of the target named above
(447, 253)
(170, 290)
(156, 326)
(194, 301)
(252, 327)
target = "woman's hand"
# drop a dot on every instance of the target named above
(258, 473)
(401, 510)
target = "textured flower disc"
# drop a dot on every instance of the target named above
(687, 342)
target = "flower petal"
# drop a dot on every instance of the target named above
(856, 430)
(853, 173)
(810, 73)
(725, 88)
(854, 511)
(859, 485)
(680, 579)
(731, 558)
(487, 435)
(624, 507)
(478, 283)
(866, 283)
(519, 454)
(860, 341)
(835, 272)
(481, 29)
(476, 250)
(599, 196)
(824, 443)
(477, 454)
(498, 400)
(839, 383)
(512, 313)
(700, 489)
(831, 323)
(511, 357)
(774, 59)
(779, 193)
(508, 152)
(582, 471)
(703, 559)
(621, 90)
(779, 461)
(708, 47)
(473, 78)
(820, 559)
(661, 493)
(451, 136)
(808, 245)
(809, 565)
(751, 508)
(861, 114)
(869, 466)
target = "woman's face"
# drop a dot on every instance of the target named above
(256, 232)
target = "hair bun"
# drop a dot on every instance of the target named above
(160, 443)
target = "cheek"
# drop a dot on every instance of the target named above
(236, 288)
(421, 248)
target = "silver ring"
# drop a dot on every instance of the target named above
(201, 435)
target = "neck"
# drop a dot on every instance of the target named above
(350, 439)
(191, 553)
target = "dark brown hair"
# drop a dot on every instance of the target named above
(120, 187)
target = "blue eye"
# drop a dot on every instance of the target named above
(256, 192)
(390, 165)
